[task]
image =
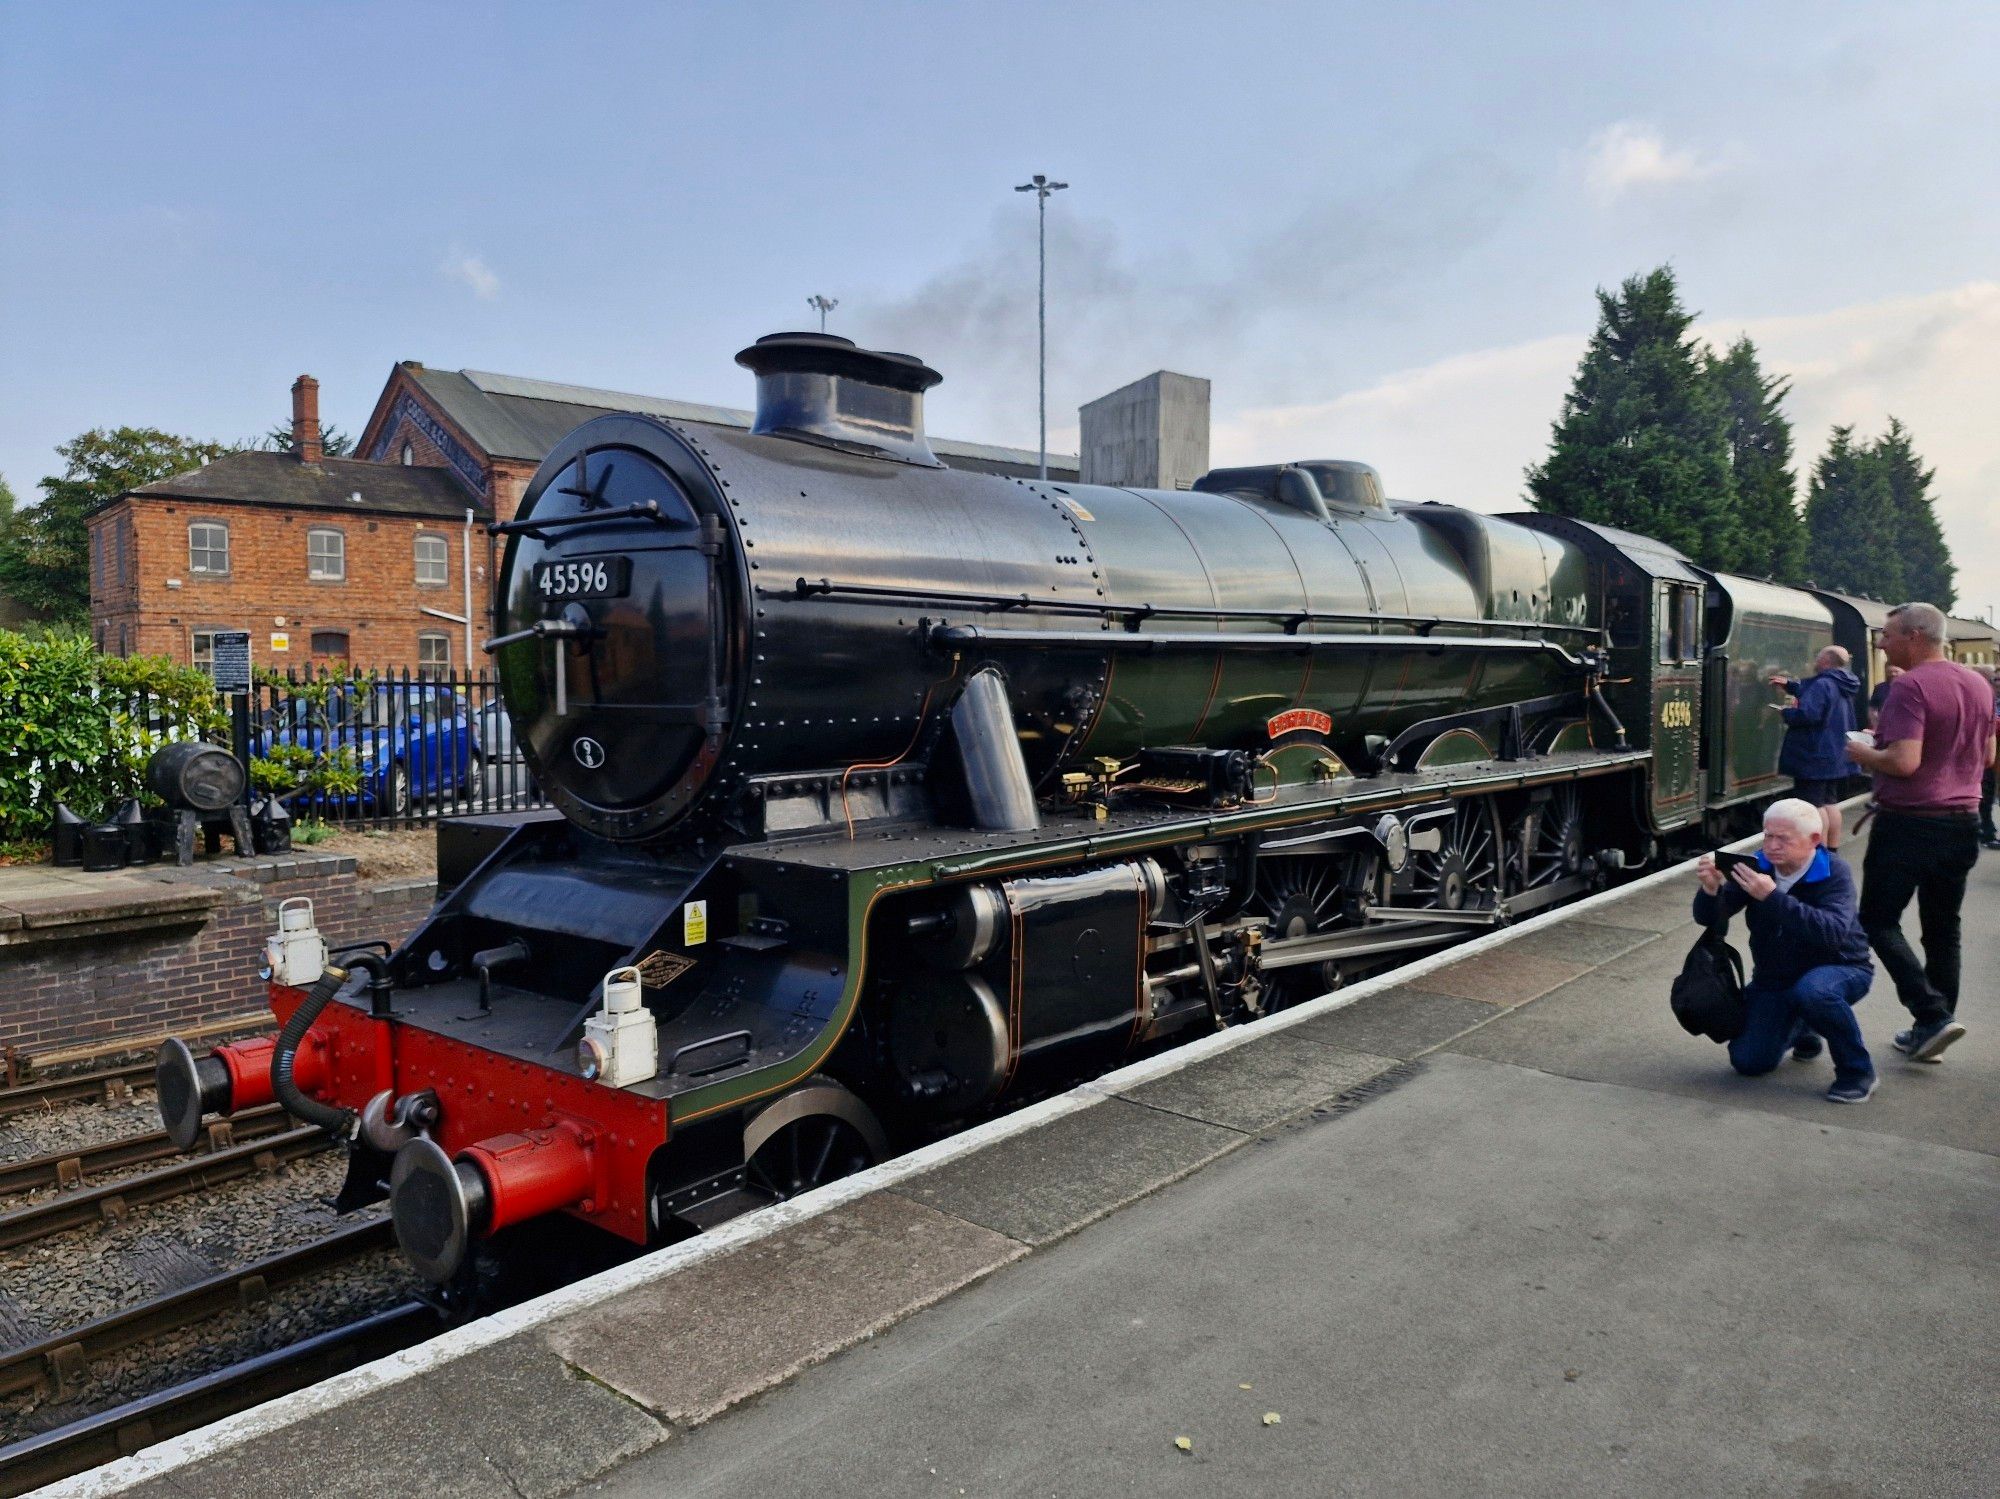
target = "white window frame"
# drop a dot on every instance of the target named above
(207, 547)
(317, 568)
(442, 560)
(200, 657)
(431, 671)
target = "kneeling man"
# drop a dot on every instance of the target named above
(1809, 963)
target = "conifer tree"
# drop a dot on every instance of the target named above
(1851, 523)
(1643, 439)
(1928, 573)
(1772, 543)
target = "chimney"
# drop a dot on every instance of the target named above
(822, 388)
(305, 420)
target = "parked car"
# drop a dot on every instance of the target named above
(411, 741)
(508, 783)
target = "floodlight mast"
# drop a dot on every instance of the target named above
(1041, 187)
(824, 305)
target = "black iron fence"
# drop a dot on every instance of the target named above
(379, 750)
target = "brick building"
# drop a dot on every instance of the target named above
(321, 559)
(365, 559)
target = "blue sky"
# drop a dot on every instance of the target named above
(1376, 229)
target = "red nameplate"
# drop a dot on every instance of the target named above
(1292, 720)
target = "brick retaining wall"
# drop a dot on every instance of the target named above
(68, 991)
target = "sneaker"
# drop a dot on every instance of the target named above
(1905, 1041)
(1854, 1090)
(1927, 1042)
(1807, 1047)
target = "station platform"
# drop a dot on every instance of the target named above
(1491, 1225)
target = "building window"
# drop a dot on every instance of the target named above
(433, 656)
(204, 652)
(409, 454)
(122, 552)
(330, 643)
(97, 565)
(208, 547)
(124, 642)
(326, 556)
(433, 560)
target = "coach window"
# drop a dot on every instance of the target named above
(433, 656)
(326, 556)
(208, 548)
(433, 560)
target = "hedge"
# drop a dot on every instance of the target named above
(77, 727)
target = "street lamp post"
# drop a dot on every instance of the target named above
(824, 305)
(1041, 187)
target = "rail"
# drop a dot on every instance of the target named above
(110, 1202)
(72, 1168)
(108, 1084)
(87, 1443)
(56, 1363)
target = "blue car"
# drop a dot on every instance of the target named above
(410, 741)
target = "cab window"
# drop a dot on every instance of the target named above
(1680, 623)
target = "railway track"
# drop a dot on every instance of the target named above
(58, 1363)
(111, 1201)
(93, 1440)
(72, 1168)
(103, 1084)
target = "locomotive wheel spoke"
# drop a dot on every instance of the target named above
(808, 1153)
(1464, 872)
(1554, 847)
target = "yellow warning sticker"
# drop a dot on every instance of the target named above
(694, 923)
(1077, 510)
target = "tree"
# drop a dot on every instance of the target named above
(45, 556)
(334, 442)
(1773, 539)
(1851, 523)
(1643, 439)
(1928, 573)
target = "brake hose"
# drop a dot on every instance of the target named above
(332, 984)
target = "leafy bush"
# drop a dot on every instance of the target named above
(289, 771)
(78, 727)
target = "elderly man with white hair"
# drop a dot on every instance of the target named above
(1809, 963)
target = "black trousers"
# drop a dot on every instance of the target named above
(1928, 857)
(1986, 805)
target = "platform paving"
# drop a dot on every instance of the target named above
(1502, 1229)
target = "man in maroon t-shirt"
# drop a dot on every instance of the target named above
(1934, 740)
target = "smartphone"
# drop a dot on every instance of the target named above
(1726, 862)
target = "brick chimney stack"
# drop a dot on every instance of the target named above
(305, 420)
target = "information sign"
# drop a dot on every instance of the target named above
(231, 667)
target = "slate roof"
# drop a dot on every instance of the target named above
(507, 416)
(347, 484)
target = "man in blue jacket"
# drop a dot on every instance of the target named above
(1809, 963)
(1816, 728)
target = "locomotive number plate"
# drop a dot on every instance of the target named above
(584, 578)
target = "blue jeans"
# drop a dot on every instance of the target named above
(1820, 999)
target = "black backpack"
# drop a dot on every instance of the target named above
(1708, 995)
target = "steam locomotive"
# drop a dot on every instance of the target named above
(891, 793)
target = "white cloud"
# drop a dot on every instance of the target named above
(473, 273)
(1465, 429)
(1629, 155)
